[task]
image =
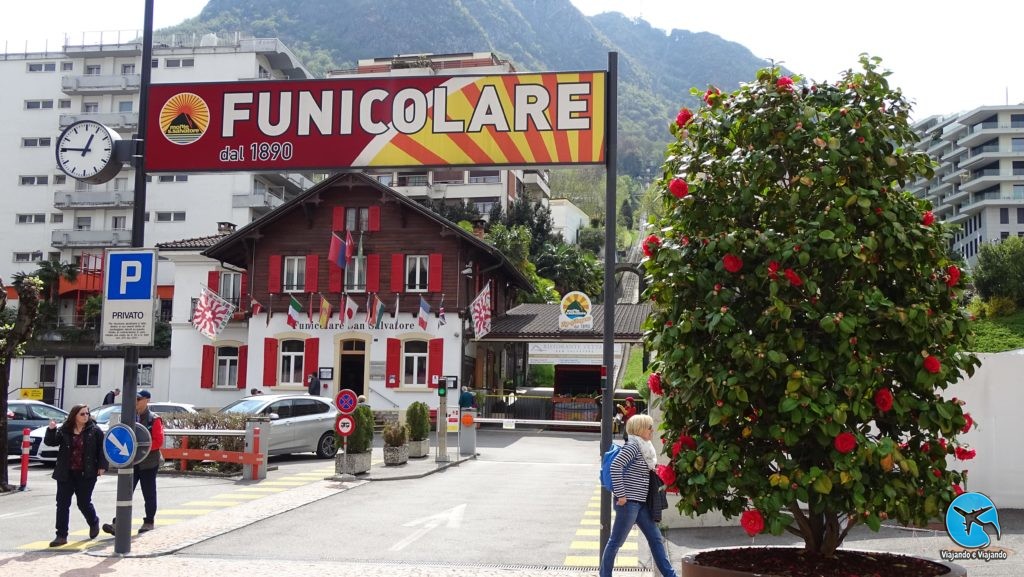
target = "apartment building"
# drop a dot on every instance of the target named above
(979, 181)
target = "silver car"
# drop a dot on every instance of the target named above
(298, 423)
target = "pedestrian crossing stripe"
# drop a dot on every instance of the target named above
(284, 483)
(588, 539)
(594, 546)
(621, 561)
(597, 532)
(218, 503)
(237, 496)
(262, 489)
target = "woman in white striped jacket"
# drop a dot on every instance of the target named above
(630, 478)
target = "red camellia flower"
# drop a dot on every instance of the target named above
(937, 473)
(710, 95)
(684, 442)
(650, 244)
(969, 424)
(964, 454)
(678, 188)
(954, 275)
(654, 383)
(925, 447)
(668, 476)
(752, 522)
(927, 218)
(932, 364)
(883, 399)
(784, 84)
(958, 490)
(732, 263)
(684, 117)
(794, 279)
(845, 442)
(773, 269)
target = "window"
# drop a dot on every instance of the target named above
(128, 68)
(88, 375)
(155, 63)
(64, 104)
(170, 217)
(414, 363)
(1004, 216)
(92, 69)
(34, 180)
(449, 176)
(53, 256)
(145, 375)
(38, 104)
(83, 223)
(47, 373)
(484, 176)
(56, 217)
(294, 277)
(120, 184)
(1020, 216)
(90, 107)
(28, 256)
(416, 269)
(31, 218)
(42, 66)
(484, 206)
(124, 106)
(60, 179)
(36, 142)
(357, 219)
(413, 179)
(355, 275)
(119, 223)
(291, 362)
(180, 62)
(67, 66)
(171, 178)
(230, 287)
(227, 368)
(1004, 235)
(385, 179)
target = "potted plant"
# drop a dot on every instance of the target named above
(396, 450)
(806, 320)
(417, 421)
(360, 443)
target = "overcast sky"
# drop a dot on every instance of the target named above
(946, 56)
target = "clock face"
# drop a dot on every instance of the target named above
(85, 151)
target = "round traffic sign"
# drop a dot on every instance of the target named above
(119, 446)
(345, 425)
(143, 444)
(346, 401)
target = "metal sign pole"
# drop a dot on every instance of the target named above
(442, 428)
(608, 370)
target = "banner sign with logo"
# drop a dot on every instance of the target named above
(406, 121)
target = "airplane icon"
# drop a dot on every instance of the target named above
(971, 519)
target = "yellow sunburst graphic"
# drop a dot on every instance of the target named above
(184, 118)
(575, 304)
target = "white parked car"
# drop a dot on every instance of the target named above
(298, 423)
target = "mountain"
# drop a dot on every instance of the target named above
(656, 69)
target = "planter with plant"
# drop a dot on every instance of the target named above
(806, 322)
(417, 421)
(360, 443)
(396, 448)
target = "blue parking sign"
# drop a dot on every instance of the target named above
(130, 276)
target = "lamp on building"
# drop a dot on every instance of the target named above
(468, 271)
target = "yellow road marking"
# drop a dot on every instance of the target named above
(210, 504)
(594, 561)
(261, 489)
(184, 511)
(284, 483)
(594, 546)
(237, 496)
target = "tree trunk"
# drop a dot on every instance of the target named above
(10, 344)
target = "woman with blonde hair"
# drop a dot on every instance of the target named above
(80, 462)
(631, 477)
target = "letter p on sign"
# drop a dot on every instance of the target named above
(131, 272)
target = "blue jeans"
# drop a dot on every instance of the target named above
(635, 513)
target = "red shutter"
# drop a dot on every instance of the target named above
(310, 358)
(372, 273)
(434, 275)
(243, 293)
(274, 273)
(206, 373)
(393, 365)
(335, 278)
(397, 273)
(213, 280)
(338, 218)
(374, 224)
(243, 366)
(312, 273)
(435, 362)
(269, 362)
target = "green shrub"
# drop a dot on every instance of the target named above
(976, 307)
(417, 420)
(361, 439)
(1000, 307)
(394, 435)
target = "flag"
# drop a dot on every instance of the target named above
(480, 310)
(270, 308)
(294, 310)
(397, 300)
(424, 313)
(255, 305)
(350, 246)
(375, 312)
(338, 253)
(351, 308)
(309, 309)
(325, 312)
(212, 313)
(441, 320)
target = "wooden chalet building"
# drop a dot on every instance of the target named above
(403, 253)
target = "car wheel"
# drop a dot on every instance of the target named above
(325, 448)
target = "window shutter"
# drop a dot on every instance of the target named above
(338, 218)
(243, 366)
(243, 293)
(310, 358)
(372, 273)
(269, 362)
(213, 280)
(434, 275)
(312, 273)
(393, 365)
(274, 274)
(374, 218)
(206, 374)
(435, 362)
(335, 279)
(397, 273)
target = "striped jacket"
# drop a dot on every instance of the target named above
(630, 477)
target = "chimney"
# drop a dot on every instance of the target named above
(478, 228)
(224, 227)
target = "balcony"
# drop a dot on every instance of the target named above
(105, 43)
(96, 84)
(986, 177)
(125, 120)
(90, 238)
(985, 131)
(257, 199)
(536, 184)
(93, 198)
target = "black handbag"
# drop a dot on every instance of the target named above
(657, 501)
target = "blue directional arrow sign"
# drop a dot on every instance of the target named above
(119, 445)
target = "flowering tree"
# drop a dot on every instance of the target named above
(806, 318)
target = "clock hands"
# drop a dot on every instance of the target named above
(84, 150)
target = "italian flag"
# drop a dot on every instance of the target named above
(294, 310)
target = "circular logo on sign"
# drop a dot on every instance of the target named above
(184, 118)
(576, 305)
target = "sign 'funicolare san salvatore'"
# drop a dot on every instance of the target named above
(500, 120)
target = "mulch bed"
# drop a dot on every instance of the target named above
(795, 562)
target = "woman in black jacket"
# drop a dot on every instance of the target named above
(80, 461)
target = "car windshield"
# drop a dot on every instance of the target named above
(103, 414)
(247, 406)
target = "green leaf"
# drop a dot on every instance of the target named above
(823, 485)
(826, 235)
(788, 404)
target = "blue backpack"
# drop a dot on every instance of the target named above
(606, 465)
